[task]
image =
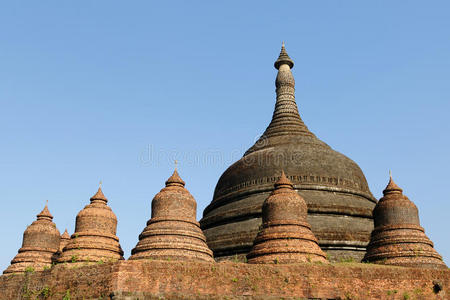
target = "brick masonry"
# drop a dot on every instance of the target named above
(335, 189)
(152, 279)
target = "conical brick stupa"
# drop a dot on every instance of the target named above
(39, 246)
(173, 232)
(398, 239)
(95, 237)
(285, 235)
(65, 238)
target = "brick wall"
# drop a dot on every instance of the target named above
(127, 280)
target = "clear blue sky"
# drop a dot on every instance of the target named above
(89, 88)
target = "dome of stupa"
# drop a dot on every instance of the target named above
(339, 201)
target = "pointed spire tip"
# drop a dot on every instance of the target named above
(99, 195)
(175, 179)
(283, 59)
(65, 235)
(45, 213)
(283, 181)
(392, 186)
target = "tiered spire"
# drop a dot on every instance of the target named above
(283, 182)
(39, 246)
(283, 58)
(95, 237)
(173, 231)
(175, 180)
(285, 236)
(392, 187)
(398, 239)
(285, 120)
(45, 213)
(99, 196)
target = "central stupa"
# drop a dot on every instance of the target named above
(339, 201)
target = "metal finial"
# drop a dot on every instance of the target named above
(176, 164)
(282, 44)
(390, 174)
(46, 202)
(100, 184)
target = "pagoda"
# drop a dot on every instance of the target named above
(94, 239)
(65, 238)
(173, 232)
(398, 239)
(285, 235)
(339, 201)
(39, 246)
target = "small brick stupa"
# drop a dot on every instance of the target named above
(40, 244)
(173, 232)
(398, 239)
(94, 239)
(65, 238)
(285, 235)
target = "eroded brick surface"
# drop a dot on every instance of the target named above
(145, 279)
(339, 201)
(40, 244)
(285, 235)
(398, 239)
(94, 239)
(173, 231)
